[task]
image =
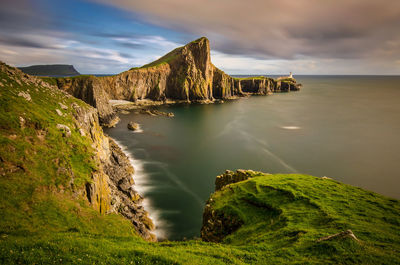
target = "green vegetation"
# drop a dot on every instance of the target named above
(254, 77)
(169, 57)
(45, 219)
(284, 215)
(50, 80)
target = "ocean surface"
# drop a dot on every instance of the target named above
(343, 127)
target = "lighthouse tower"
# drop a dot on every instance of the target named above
(290, 75)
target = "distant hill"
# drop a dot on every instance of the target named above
(50, 70)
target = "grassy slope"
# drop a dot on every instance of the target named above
(163, 60)
(253, 77)
(169, 57)
(285, 214)
(42, 221)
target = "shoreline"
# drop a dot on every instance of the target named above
(140, 179)
(119, 105)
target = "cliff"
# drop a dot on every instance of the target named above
(54, 144)
(66, 196)
(91, 90)
(310, 217)
(186, 74)
(50, 70)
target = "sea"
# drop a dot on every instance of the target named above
(343, 127)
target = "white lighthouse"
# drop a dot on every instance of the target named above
(290, 75)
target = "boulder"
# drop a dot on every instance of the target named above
(25, 95)
(133, 126)
(59, 112)
(65, 129)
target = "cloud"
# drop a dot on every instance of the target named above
(146, 41)
(283, 29)
(255, 36)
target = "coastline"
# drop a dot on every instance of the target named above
(140, 182)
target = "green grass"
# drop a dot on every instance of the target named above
(46, 220)
(253, 77)
(169, 57)
(286, 214)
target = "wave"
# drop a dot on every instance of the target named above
(290, 127)
(142, 185)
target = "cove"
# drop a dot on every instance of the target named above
(342, 127)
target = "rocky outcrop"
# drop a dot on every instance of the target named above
(133, 126)
(221, 222)
(217, 224)
(266, 85)
(225, 86)
(112, 187)
(230, 177)
(186, 74)
(91, 90)
(259, 86)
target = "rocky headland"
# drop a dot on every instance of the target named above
(50, 70)
(184, 75)
(67, 193)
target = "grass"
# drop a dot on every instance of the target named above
(168, 58)
(286, 214)
(46, 220)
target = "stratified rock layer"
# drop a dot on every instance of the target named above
(186, 74)
(91, 90)
(109, 183)
(112, 187)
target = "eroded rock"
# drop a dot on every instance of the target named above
(133, 126)
(345, 234)
(59, 112)
(25, 95)
(65, 129)
(63, 106)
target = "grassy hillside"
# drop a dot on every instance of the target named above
(46, 220)
(283, 216)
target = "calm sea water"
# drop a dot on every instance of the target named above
(343, 127)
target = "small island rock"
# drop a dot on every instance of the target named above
(133, 126)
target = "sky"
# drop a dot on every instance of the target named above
(246, 37)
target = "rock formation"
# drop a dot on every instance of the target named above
(112, 187)
(217, 224)
(186, 74)
(108, 184)
(92, 91)
(133, 126)
(230, 177)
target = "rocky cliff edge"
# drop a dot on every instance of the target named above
(185, 74)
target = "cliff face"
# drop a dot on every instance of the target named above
(111, 189)
(219, 223)
(185, 74)
(55, 144)
(265, 85)
(91, 90)
(225, 86)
